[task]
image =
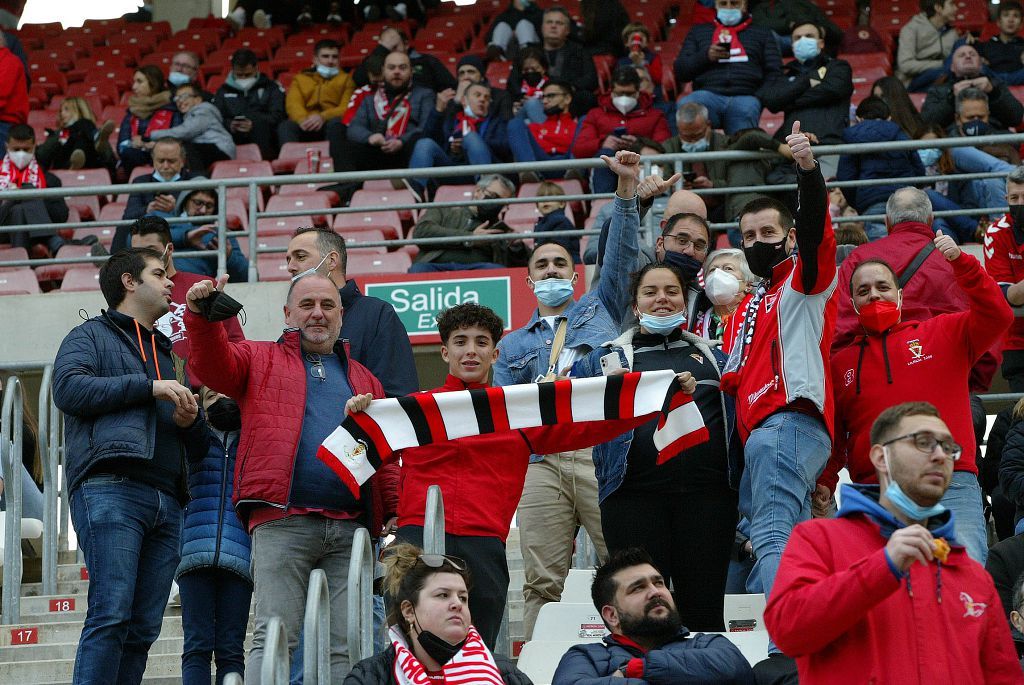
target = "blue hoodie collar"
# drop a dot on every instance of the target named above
(863, 499)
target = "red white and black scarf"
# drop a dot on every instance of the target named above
(13, 177)
(472, 665)
(609, 406)
(395, 113)
(737, 53)
(536, 91)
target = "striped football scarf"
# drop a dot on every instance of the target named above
(472, 665)
(609, 406)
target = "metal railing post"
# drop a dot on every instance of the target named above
(274, 670)
(433, 522)
(222, 229)
(47, 442)
(10, 460)
(359, 628)
(316, 632)
(586, 553)
(253, 242)
(233, 679)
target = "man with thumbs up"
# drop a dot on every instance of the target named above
(778, 368)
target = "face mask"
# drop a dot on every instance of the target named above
(729, 17)
(224, 415)
(624, 103)
(806, 48)
(929, 156)
(488, 213)
(439, 650)
(662, 325)
(687, 265)
(762, 257)
(552, 291)
(879, 316)
(976, 127)
(326, 72)
(160, 177)
(177, 78)
(552, 111)
(696, 146)
(468, 111)
(533, 78)
(721, 287)
(20, 158)
(908, 507)
(1017, 216)
(245, 83)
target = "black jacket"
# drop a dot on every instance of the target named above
(824, 110)
(988, 468)
(379, 670)
(760, 72)
(262, 104)
(427, 71)
(573, 63)
(369, 321)
(1006, 564)
(940, 104)
(1011, 467)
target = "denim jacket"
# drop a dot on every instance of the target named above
(610, 457)
(593, 319)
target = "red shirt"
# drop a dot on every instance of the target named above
(13, 89)
(555, 134)
(1004, 261)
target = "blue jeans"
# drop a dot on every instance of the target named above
(129, 533)
(924, 80)
(603, 179)
(960, 228)
(525, 147)
(430, 267)
(427, 153)
(784, 457)
(531, 111)
(964, 499)
(214, 616)
(732, 113)
(237, 265)
(5, 126)
(982, 193)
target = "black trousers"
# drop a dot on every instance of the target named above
(1013, 369)
(488, 567)
(690, 539)
(201, 157)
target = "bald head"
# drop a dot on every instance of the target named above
(684, 202)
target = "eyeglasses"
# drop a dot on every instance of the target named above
(439, 560)
(316, 369)
(203, 204)
(183, 97)
(925, 443)
(684, 241)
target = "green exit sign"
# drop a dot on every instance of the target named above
(419, 302)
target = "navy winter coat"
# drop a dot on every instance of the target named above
(212, 536)
(893, 164)
(101, 384)
(761, 70)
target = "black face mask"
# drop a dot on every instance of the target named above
(552, 111)
(533, 78)
(439, 650)
(762, 257)
(687, 265)
(976, 127)
(488, 212)
(218, 306)
(224, 415)
(1017, 215)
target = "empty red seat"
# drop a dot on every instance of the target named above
(305, 202)
(107, 90)
(282, 225)
(80, 279)
(48, 78)
(104, 234)
(248, 152)
(388, 222)
(12, 254)
(236, 168)
(20, 281)
(302, 167)
(55, 272)
(87, 205)
(272, 268)
(291, 153)
(454, 193)
(355, 238)
(371, 264)
(385, 198)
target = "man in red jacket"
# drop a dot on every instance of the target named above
(292, 394)
(620, 118)
(13, 93)
(901, 360)
(1004, 260)
(551, 138)
(840, 605)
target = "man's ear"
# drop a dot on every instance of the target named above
(1017, 620)
(287, 315)
(444, 353)
(877, 457)
(611, 617)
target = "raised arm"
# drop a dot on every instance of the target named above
(816, 256)
(621, 248)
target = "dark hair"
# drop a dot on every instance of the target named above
(566, 87)
(879, 262)
(327, 240)
(759, 204)
(873, 107)
(928, 7)
(888, 420)
(558, 9)
(467, 315)
(1008, 6)
(405, 575)
(637, 277)
(131, 261)
(641, 142)
(326, 43)
(848, 234)
(374, 64)
(152, 225)
(901, 108)
(172, 141)
(21, 132)
(243, 57)
(154, 76)
(688, 216)
(626, 76)
(602, 590)
(532, 52)
(804, 21)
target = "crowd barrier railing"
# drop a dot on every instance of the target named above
(433, 522)
(360, 602)
(316, 631)
(11, 436)
(275, 666)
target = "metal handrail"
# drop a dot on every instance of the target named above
(316, 631)
(359, 629)
(11, 423)
(274, 669)
(433, 522)
(50, 438)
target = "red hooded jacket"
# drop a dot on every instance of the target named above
(555, 134)
(267, 379)
(1004, 260)
(644, 120)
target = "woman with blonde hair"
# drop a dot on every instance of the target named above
(76, 143)
(431, 633)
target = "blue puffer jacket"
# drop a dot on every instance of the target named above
(101, 384)
(212, 536)
(894, 164)
(697, 658)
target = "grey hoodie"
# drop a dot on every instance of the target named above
(202, 124)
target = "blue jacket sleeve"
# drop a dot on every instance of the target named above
(359, 128)
(577, 668)
(124, 134)
(710, 658)
(396, 356)
(79, 391)
(620, 256)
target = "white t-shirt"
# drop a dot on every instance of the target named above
(568, 356)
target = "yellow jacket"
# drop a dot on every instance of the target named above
(310, 93)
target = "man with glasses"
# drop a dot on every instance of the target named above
(549, 139)
(895, 360)
(886, 591)
(199, 235)
(184, 69)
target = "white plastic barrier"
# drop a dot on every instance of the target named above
(539, 659)
(572, 622)
(577, 586)
(742, 608)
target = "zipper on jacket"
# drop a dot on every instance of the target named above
(220, 506)
(775, 365)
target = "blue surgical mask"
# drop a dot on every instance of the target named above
(697, 146)
(177, 78)
(468, 111)
(806, 48)
(326, 72)
(662, 325)
(908, 507)
(929, 156)
(729, 17)
(552, 292)
(158, 176)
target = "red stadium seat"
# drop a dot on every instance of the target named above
(104, 234)
(18, 282)
(235, 168)
(248, 152)
(326, 166)
(12, 254)
(291, 153)
(55, 272)
(454, 193)
(371, 264)
(384, 198)
(80, 279)
(106, 90)
(272, 267)
(87, 205)
(353, 239)
(498, 73)
(389, 223)
(49, 79)
(311, 202)
(272, 37)
(112, 211)
(283, 225)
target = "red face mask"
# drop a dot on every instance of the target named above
(879, 316)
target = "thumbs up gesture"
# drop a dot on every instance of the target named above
(202, 290)
(800, 145)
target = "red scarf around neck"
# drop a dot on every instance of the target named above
(13, 177)
(529, 91)
(737, 53)
(394, 113)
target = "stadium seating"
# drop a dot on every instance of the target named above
(18, 281)
(372, 264)
(80, 279)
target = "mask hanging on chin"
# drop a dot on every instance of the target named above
(439, 649)
(762, 257)
(899, 499)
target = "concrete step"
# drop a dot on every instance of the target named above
(64, 631)
(46, 672)
(71, 572)
(63, 609)
(64, 587)
(67, 650)
(146, 680)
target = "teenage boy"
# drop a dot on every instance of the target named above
(1003, 51)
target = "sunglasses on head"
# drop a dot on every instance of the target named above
(439, 560)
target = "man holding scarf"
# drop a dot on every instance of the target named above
(20, 169)
(386, 126)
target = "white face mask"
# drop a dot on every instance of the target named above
(20, 158)
(245, 83)
(624, 103)
(721, 287)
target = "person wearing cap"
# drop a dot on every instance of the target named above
(251, 103)
(470, 69)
